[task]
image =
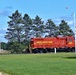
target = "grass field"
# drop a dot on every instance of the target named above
(39, 64)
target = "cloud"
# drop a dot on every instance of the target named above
(69, 20)
(4, 13)
(2, 34)
(2, 39)
(66, 17)
(9, 7)
(3, 31)
(57, 20)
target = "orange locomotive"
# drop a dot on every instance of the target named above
(49, 43)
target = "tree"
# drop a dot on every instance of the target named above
(16, 47)
(51, 28)
(64, 29)
(27, 22)
(14, 28)
(3, 45)
(37, 26)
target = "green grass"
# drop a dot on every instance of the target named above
(39, 64)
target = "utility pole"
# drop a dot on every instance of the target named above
(75, 30)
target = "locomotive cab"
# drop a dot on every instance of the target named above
(70, 43)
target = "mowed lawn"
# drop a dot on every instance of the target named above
(39, 64)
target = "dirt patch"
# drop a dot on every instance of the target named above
(1, 73)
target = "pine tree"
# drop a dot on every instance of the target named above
(37, 27)
(50, 28)
(14, 30)
(64, 29)
(27, 22)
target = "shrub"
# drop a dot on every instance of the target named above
(17, 47)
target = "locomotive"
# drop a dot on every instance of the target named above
(50, 44)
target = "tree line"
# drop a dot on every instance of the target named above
(22, 28)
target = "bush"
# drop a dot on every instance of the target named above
(17, 47)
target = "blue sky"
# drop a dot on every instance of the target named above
(53, 9)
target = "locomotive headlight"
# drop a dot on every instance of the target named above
(70, 43)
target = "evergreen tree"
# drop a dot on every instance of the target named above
(64, 29)
(14, 30)
(37, 26)
(51, 28)
(27, 22)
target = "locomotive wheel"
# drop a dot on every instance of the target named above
(35, 51)
(44, 50)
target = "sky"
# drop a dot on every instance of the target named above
(46, 9)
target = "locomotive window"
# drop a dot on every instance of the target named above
(70, 40)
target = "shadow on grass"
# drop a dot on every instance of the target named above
(70, 57)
